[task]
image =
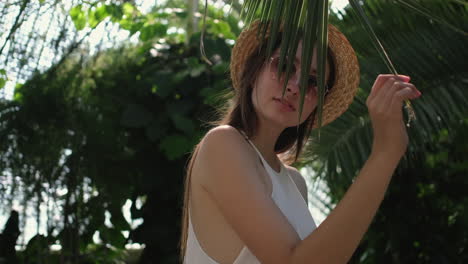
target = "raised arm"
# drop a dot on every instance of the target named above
(230, 178)
(335, 240)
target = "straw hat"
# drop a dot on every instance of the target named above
(347, 72)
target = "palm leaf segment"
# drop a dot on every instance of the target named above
(311, 18)
(437, 67)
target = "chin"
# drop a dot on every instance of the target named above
(286, 121)
(294, 123)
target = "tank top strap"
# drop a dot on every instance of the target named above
(259, 154)
(243, 134)
(251, 144)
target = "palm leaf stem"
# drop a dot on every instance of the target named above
(202, 37)
(309, 41)
(362, 17)
(321, 52)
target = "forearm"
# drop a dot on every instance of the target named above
(335, 240)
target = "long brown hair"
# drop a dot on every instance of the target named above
(239, 113)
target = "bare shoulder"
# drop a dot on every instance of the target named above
(222, 147)
(221, 140)
(228, 169)
(223, 133)
(299, 180)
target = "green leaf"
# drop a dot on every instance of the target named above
(192, 62)
(156, 129)
(128, 9)
(78, 17)
(126, 24)
(195, 72)
(220, 68)
(135, 27)
(182, 14)
(118, 220)
(93, 22)
(164, 81)
(220, 28)
(419, 8)
(101, 12)
(180, 76)
(112, 236)
(136, 116)
(183, 123)
(115, 11)
(97, 16)
(322, 45)
(152, 31)
(175, 146)
(18, 96)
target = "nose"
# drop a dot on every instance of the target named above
(292, 87)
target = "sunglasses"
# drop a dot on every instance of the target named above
(312, 86)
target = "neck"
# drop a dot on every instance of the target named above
(265, 139)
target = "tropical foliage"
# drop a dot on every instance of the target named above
(96, 132)
(423, 195)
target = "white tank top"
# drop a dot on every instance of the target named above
(287, 197)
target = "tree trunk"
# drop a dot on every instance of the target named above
(192, 23)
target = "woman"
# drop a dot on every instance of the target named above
(243, 205)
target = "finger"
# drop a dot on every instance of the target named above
(400, 79)
(406, 93)
(382, 78)
(378, 83)
(396, 86)
(403, 78)
(387, 88)
(393, 91)
(388, 94)
(414, 92)
(398, 90)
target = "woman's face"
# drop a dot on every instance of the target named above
(268, 87)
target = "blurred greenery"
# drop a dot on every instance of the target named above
(423, 218)
(95, 131)
(110, 128)
(126, 139)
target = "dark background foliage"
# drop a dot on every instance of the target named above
(424, 216)
(118, 125)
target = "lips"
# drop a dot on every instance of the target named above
(285, 102)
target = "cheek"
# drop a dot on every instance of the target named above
(309, 107)
(261, 93)
(255, 97)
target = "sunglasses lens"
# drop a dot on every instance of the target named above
(274, 67)
(312, 85)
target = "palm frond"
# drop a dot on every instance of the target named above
(419, 8)
(383, 54)
(417, 47)
(311, 17)
(437, 68)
